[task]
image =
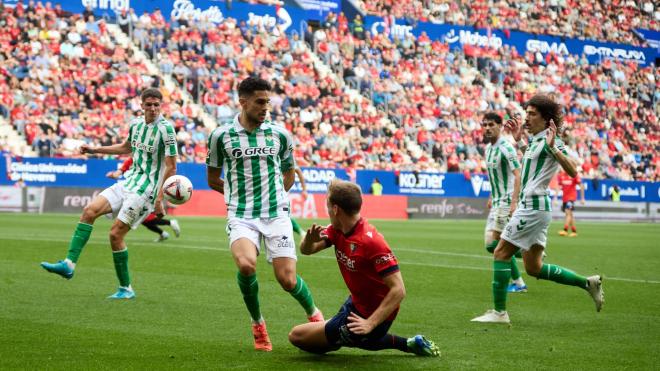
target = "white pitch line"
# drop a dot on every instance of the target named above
(432, 265)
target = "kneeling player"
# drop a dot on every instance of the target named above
(370, 271)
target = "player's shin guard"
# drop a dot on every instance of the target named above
(78, 241)
(562, 275)
(120, 259)
(301, 293)
(250, 289)
(501, 277)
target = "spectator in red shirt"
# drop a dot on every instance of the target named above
(371, 273)
(569, 186)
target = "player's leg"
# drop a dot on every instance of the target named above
(100, 205)
(497, 220)
(152, 225)
(310, 337)
(120, 258)
(564, 232)
(571, 220)
(281, 252)
(296, 227)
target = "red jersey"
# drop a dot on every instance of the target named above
(568, 186)
(364, 258)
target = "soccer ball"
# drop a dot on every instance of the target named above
(177, 189)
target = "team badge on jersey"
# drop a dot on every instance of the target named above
(353, 247)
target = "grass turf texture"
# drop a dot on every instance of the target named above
(189, 312)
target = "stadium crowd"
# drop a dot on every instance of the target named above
(613, 20)
(430, 99)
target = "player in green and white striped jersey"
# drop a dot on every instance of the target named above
(504, 177)
(528, 228)
(257, 160)
(152, 142)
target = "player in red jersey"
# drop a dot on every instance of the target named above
(371, 273)
(569, 186)
(153, 220)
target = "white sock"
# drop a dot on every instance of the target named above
(71, 264)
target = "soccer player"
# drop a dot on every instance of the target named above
(152, 142)
(569, 186)
(527, 230)
(257, 159)
(152, 221)
(504, 178)
(371, 273)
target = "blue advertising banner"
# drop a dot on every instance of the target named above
(286, 19)
(58, 172)
(651, 37)
(458, 36)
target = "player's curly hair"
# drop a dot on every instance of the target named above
(493, 116)
(548, 108)
(151, 93)
(251, 84)
(346, 195)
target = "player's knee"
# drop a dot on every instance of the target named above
(89, 214)
(116, 236)
(246, 267)
(288, 282)
(533, 270)
(295, 337)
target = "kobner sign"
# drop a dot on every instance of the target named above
(523, 42)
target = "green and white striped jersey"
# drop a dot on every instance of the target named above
(539, 167)
(253, 164)
(150, 144)
(501, 160)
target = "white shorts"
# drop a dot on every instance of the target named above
(128, 206)
(527, 228)
(497, 218)
(277, 235)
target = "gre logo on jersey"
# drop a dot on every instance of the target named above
(253, 151)
(143, 147)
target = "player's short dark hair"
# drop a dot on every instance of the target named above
(346, 195)
(493, 116)
(548, 108)
(248, 86)
(151, 93)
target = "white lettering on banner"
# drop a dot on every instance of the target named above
(479, 184)
(315, 175)
(303, 208)
(49, 168)
(319, 5)
(545, 47)
(185, 9)
(473, 38)
(617, 53)
(421, 184)
(116, 5)
(269, 22)
(397, 31)
(79, 201)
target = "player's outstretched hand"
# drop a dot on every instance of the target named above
(314, 233)
(551, 134)
(84, 149)
(113, 174)
(359, 325)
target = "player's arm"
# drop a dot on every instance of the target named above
(559, 151)
(288, 177)
(391, 301)
(303, 185)
(170, 169)
(115, 149)
(516, 189)
(314, 241)
(213, 179)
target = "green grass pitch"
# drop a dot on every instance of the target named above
(189, 313)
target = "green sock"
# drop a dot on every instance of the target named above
(303, 295)
(562, 275)
(491, 246)
(515, 272)
(501, 277)
(250, 289)
(78, 241)
(296, 226)
(121, 267)
(518, 254)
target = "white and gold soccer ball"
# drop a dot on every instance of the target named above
(177, 189)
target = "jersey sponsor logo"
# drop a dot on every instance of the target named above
(385, 258)
(253, 152)
(344, 260)
(143, 146)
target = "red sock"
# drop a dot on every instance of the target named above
(573, 229)
(566, 227)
